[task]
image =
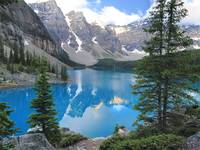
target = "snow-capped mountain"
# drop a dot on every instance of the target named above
(86, 43)
(133, 35)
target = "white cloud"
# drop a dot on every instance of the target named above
(104, 16)
(69, 5)
(193, 7)
(111, 15)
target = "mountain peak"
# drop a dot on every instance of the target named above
(77, 15)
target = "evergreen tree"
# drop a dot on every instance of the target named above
(28, 61)
(10, 65)
(6, 125)
(175, 38)
(64, 73)
(149, 71)
(5, 57)
(16, 56)
(1, 51)
(44, 116)
(22, 56)
(6, 2)
(156, 28)
(165, 78)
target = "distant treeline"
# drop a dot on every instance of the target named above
(128, 66)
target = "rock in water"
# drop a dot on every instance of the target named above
(30, 142)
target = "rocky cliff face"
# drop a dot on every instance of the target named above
(53, 19)
(20, 21)
(21, 28)
(30, 142)
(132, 36)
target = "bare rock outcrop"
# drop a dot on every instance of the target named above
(30, 142)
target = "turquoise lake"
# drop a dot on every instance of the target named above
(92, 103)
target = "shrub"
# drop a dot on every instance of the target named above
(159, 142)
(111, 143)
(71, 139)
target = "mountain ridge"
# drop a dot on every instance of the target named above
(85, 43)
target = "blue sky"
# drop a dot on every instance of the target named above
(127, 6)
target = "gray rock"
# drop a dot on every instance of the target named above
(30, 142)
(90, 144)
(193, 142)
(21, 28)
(123, 132)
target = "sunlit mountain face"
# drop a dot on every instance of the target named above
(92, 103)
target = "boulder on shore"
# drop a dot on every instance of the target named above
(193, 142)
(30, 142)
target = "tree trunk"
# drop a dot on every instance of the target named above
(159, 107)
(165, 104)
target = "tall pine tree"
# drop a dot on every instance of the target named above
(6, 125)
(165, 79)
(1, 51)
(44, 116)
(156, 28)
(64, 76)
(149, 74)
(175, 38)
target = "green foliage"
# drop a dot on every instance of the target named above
(175, 36)
(111, 143)
(71, 139)
(6, 125)
(158, 142)
(165, 78)
(64, 76)
(113, 65)
(190, 124)
(6, 2)
(45, 113)
(193, 111)
(156, 28)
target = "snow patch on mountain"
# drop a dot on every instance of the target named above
(196, 38)
(79, 42)
(36, 11)
(119, 30)
(26, 43)
(94, 40)
(196, 47)
(136, 51)
(124, 48)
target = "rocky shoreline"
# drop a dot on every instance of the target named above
(38, 141)
(18, 80)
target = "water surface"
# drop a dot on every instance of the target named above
(92, 103)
